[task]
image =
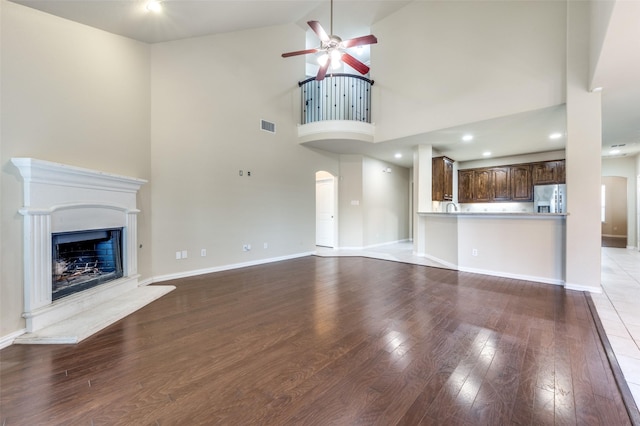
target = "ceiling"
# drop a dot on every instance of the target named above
(618, 69)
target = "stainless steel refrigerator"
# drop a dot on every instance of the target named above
(550, 198)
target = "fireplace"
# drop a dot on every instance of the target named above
(79, 248)
(84, 259)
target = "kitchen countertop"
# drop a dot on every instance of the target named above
(527, 215)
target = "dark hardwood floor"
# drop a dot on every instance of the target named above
(328, 341)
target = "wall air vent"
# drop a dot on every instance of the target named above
(267, 126)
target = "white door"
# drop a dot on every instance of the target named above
(325, 212)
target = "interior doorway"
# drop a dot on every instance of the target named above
(614, 211)
(325, 209)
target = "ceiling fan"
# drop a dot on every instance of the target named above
(333, 48)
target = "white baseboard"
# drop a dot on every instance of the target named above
(544, 280)
(145, 282)
(388, 243)
(9, 338)
(167, 277)
(440, 261)
(580, 287)
(533, 278)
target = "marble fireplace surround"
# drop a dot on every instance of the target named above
(63, 198)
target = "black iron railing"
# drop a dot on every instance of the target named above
(337, 97)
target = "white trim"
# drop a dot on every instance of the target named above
(580, 287)
(543, 280)
(6, 341)
(440, 261)
(406, 240)
(336, 129)
(195, 272)
(47, 172)
(145, 282)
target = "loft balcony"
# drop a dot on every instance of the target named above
(338, 107)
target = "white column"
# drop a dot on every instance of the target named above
(37, 259)
(422, 175)
(131, 244)
(584, 162)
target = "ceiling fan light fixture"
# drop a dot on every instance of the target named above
(322, 59)
(154, 6)
(335, 59)
(333, 48)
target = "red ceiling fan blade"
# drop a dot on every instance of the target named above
(299, 52)
(320, 32)
(360, 41)
(354, 63)
(323, 70)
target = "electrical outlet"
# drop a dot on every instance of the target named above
(178, 255)
(474, 252)
(203, 252)
(184, 254)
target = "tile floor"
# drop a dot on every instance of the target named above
(618, 305)
(619, 310)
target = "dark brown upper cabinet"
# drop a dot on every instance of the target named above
(548, 172)
(521, 183)
(442, 179)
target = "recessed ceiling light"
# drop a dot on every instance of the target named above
(154, 6)
(556, 135)
(398, 155)
(486, 154)
(467, 138)
(614, 151)
(597, 89)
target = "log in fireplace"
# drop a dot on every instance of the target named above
(85, 259)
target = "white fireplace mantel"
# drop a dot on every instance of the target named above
(63, 198)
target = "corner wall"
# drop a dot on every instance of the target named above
(74, 95)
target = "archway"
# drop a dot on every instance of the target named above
(614, 211)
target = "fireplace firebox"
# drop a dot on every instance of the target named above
(85, 259)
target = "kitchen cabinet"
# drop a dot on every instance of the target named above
(521, 183)
(500, 183)
(507, 183)
(484, 185)
(442, 179)
(548, 172)
(465, 186)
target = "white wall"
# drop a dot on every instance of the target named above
(209, 94)
(70, 94)
(374, 205)
(626, 167)
(386, 202)
(441, 64)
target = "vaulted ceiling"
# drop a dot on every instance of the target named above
(617, 72)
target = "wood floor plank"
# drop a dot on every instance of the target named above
(327, 341)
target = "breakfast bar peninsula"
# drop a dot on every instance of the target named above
(527, 246)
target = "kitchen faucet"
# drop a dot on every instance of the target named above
(455, 208)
